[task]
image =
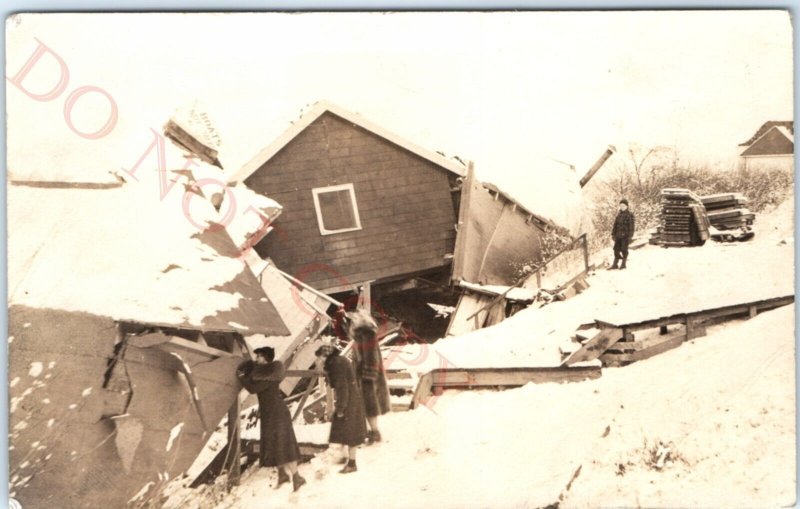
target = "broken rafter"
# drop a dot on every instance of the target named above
(310, 289)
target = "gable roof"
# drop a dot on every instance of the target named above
(788, 133)
(317, 111)
(788, 126)
(777, 140)
(126, 253)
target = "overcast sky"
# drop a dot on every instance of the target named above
(502, 89)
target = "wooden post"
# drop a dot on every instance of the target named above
(459, 253)
(753, 311)
(694, 328)
(663, 330)
(234, 464)
(302, 402)
(365, 296)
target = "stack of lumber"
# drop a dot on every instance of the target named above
(728, 211)
(683, 219)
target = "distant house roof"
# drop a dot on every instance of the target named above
(317, 111)
(778, 140)
(127, 253)
(787, 132)
(788, 125)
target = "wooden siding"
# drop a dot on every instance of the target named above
(404, 203)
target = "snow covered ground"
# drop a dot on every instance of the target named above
(708, 424)
(658, 282)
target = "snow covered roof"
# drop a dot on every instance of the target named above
(789, 134)
(771, 144)
(787, 125)
(127, 253)
(317, 111)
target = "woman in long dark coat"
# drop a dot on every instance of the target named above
(369, 371)
(348, 426)
(278, 443)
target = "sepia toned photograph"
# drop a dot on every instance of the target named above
(447, 260)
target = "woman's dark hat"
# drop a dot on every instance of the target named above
(266, 351)
(325, 350)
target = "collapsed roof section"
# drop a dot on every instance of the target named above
(152, 250)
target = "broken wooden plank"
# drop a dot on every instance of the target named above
(466, 317)
(438, 380)
(423, 391)
(595, 347)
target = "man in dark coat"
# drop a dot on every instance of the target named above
(278, 445)
(622, 234)
(369, 370)
(348, 425)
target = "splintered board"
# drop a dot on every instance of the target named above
(594, 347)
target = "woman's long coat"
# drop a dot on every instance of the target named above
(372, 377)
(278, 442)
(351, 427)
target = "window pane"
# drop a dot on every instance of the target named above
(337, 210)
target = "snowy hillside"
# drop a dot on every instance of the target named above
(723, 404)
(658, 282)
(710, 423)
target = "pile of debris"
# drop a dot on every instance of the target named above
(683, 219)
(729, 217)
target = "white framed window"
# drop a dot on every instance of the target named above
(337, 210)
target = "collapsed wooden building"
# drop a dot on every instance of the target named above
(367, 210)
(126, 325)
(131, 304)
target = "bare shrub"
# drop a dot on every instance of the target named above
(660, 454)
(554, 239)
(642, 173)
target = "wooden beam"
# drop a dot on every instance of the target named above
(510, 377)
(595, 347)
(365, 296)
(233, 463)
(662, 347)
(680, 318)
(302, 402)
(597, 165)
(310, 289)
(438, 380)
